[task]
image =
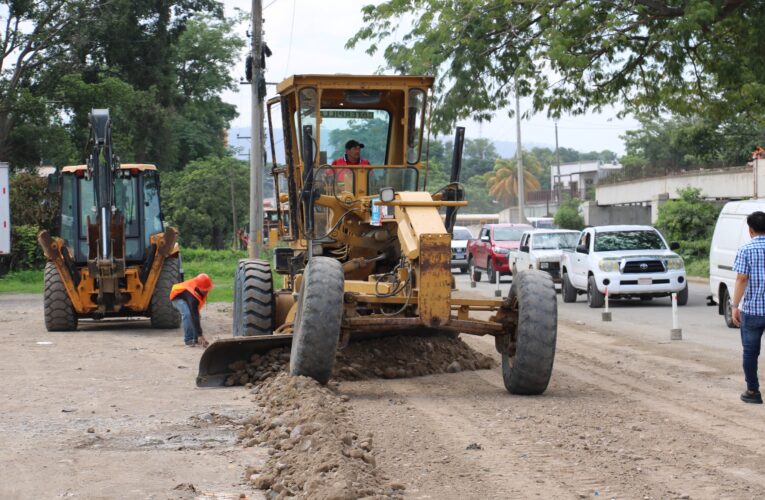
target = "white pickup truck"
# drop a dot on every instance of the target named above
(542, 249)
(629, 261)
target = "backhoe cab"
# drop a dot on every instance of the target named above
(114, 257)
(365, 251)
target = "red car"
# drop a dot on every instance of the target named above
(489, 252)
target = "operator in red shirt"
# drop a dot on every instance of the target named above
(352, 156)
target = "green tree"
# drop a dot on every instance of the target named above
(567, 216)
(690, 221)
(571, 56)
(478, 156)
(197, 200)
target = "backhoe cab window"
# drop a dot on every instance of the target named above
(414, 127)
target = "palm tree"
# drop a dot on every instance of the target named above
(502, 181)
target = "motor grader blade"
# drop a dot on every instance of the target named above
(219, 355)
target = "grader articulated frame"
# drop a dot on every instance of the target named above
(365, 250)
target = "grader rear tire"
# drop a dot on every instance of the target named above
(318, 320)
(533, 299)
(58, 308)
(163, 314)
(254, 304)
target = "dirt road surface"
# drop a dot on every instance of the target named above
(111, 411)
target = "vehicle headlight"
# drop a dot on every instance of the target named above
(609, 266)
(675, 263)
(544, 265)
(501, 250)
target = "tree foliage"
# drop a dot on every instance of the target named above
(198, 200)
(571, 56)
(690, 221)
(567, 216)
(502, 182)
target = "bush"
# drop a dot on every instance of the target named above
(567, 216)
(25, 251)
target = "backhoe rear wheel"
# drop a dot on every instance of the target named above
(318, 320)
(534, 303)
(57, 305)
(163, 314)
(254, 304)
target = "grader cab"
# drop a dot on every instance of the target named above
(365, 251)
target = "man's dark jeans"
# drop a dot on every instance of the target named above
(751, 338)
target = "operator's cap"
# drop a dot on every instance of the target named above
(353, 143)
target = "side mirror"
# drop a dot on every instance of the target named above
(673, 245)
(582, 249)
(485, 237)
(524, 248)
(54, 182)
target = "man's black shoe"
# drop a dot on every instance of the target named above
(751, 397)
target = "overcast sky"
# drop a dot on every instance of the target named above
(308, 36)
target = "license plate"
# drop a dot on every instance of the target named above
(645, 281)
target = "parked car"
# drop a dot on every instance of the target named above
(542, 249)
(631, 261)
(731, 231)
(491, 251)
(460, 237)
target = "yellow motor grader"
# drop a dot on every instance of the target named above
(364, 249)
(114, 257)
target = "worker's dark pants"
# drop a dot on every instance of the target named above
(751, 338)
(190, 333)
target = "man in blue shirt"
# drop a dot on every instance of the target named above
(749, 302)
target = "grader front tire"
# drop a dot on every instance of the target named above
(533, 299)
(254, 304)
(318, 320)
(57, 305)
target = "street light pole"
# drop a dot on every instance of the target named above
(255, 246)
(519, 155)
(557, 162)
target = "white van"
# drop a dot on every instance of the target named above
(731, 231)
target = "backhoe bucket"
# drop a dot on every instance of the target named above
(219, 355)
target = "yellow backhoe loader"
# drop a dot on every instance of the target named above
(365, 251)
(114, 257)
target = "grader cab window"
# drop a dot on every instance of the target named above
(370, 127)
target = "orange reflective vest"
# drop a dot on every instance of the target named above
(188, 286)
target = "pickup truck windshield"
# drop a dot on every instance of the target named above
(628, 240)
(555, 241)
(508, 233)
(461, 234)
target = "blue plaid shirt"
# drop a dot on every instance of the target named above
(750, 260)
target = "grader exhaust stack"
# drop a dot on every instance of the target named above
(365, 252)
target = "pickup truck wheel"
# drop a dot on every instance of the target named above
(318, 320)
(594, 298)
(567, 290)
(727, 308)
(474, 274)
(533, 300)
(682, 296)
(490, 272)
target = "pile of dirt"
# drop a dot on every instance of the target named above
(402, 356)
(314, 451)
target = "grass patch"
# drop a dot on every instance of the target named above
(27, 281)
(220, 265)
(697, 267)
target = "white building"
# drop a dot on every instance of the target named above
(576, 178)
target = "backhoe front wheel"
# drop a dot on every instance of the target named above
(254, 304)
(318, 320)
(534, 305)
(57, 305)
(163, 314)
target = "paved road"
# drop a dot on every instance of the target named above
(699, 322)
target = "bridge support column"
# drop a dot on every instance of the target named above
(657, 201)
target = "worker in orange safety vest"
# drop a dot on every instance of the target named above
(188, 298)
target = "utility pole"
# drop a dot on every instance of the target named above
(255, 246)
(557, 162)
(519, 155)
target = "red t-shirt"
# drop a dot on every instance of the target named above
(344, 176)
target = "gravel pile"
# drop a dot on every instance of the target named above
(402, 356)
